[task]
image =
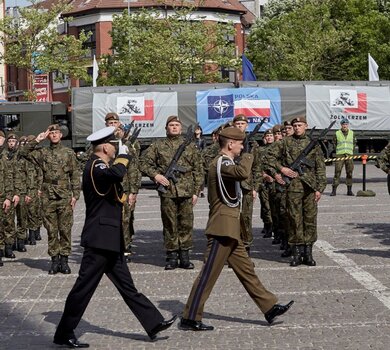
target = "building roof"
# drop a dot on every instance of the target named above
(82, 6)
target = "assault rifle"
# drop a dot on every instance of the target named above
(301, 161)
(174, 169)
(252, 134)
(134, 135)
(127, 129)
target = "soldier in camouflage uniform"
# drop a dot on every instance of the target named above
(177, 203)
(265, 184)
(34, 206)
(383, 162)
(60, 192)
(303, 193)
(211, 151)
(10, 158)
(5, 202)
(249, 187)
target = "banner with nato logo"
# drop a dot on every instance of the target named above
(218, 106)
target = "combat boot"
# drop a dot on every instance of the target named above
(333, 191)
(8, 251)
(55, 265)
(171, 260)
(31, 237)
(20, 247)
(1, 257)
(276, 239)
(287, 252)
(349, 191)
(296, 256)
(267, 231)
(64, 267)
(38, 234)
(308, 256)
(185, 262)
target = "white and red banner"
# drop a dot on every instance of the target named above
(41, 87)
(250, 108)
(366, 107)
(149, 110)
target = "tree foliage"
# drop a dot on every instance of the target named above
(32, 42)
(151, 49)
(320, 40)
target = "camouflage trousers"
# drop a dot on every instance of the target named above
(128, 223)
(58, 221)
(178, 220)
(2, 232)
(274, 202)
(246, 218)
(302, 214)
(339, 167)
(9, 225)
(21, 219)
(265, 209)
(284, 224)
(34, 213)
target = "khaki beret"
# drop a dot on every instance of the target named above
(287, 123)
(240, 118)
(217, 130)
(277, 128)
(111, 116)
(23, 138)
(54, 127)
(232, 133)
(30, 138)
(12, 136)
(2, 133)
(172, 118)
(268, 132)
(299, 119)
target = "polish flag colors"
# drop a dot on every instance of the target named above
(252, 108)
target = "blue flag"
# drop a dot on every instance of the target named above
(247, 70)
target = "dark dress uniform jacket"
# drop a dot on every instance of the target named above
(101, 186)
(224, 220)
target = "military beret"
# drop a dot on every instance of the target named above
(227, 125)
(172, 118)
(217, 130)
(30, 138)
(101, 136)
(2, 133)
(344, 121)
(268, 132)
(12, 136)
(277, 128)
(23, 138)
(240, 118)
(287, 123)
(232, 133)
(54, 127)
(298, 119)
(111, 116)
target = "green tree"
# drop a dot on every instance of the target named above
(32, 42)
(149, 49)
(320, 40)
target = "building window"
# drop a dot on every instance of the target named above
(90, 44)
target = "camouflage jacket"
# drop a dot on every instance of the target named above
(17, 172)
(132, 180)
(156, 159)
(286, 151)
(252, 182)
(383, 161)
(6, 187)
(34, 178)
(208, 155)
(61, 175)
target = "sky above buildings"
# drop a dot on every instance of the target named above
(13, 3)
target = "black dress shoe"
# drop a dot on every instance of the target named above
(277, 310)
(70, 342)
(162, 326)
(192, 325)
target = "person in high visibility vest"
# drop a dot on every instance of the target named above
(344, 142)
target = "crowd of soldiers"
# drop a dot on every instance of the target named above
(35, 177)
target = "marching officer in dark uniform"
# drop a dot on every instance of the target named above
(103, 242)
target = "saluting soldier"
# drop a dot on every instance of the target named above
(224, 241)
(249, 186)
(304, 191)
(178, 201)
(344, 141)
(60, 192)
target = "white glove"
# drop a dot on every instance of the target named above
(122, 149)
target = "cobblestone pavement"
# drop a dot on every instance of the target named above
(343, 303)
